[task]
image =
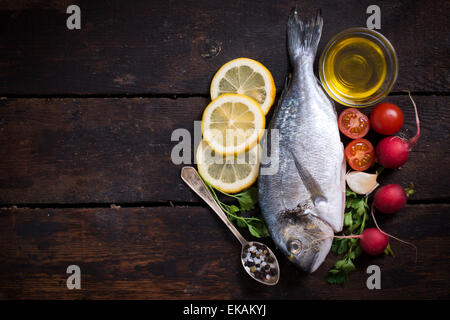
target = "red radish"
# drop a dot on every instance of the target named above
(393, 152)
(390, 198)
(373, 241)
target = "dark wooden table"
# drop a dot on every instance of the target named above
(86, 178)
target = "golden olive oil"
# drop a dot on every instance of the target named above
(355, 68)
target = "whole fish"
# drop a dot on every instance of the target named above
(303, 202)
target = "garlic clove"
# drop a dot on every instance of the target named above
(362, 182)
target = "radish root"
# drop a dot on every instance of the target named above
(389, 235)
(414, 139)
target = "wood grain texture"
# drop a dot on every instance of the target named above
(186, 253)
(64, 151)
(160, 47)
(64, 160)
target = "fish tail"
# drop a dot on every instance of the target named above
(303, 35)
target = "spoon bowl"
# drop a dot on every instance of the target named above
(269, 270)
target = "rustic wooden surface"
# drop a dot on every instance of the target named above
(117, 150)
(160, 47)
(86, 120)
(185, 252)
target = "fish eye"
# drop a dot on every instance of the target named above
(295, 246)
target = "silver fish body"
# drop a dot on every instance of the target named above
(303, 202)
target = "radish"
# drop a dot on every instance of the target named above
(390, 198)
(393, 152)
(372, 240)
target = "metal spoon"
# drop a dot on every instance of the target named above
(195, 182)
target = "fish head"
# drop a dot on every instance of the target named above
(306, 241)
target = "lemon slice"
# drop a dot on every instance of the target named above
(248, 77)
(232, 124)
(229, 174)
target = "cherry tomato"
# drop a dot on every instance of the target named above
(360, 154)
(353, 123)
(386, 118)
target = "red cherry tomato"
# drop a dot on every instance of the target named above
(386, 118)
(360, 154)
(353, 123)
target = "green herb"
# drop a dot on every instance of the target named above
(247, 200)
(355, 219)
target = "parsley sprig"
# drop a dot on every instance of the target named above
(247, 201)
(355, 220)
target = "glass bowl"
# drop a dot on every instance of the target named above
(385, 82)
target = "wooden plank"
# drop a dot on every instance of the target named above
(119, 150)
(155, 47)
(186, 253)
(92, 150)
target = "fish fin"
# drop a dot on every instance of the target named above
(310, 183)
(303, 35)
(266, 141)
(287, 84)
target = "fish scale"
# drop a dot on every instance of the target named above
(303, 202)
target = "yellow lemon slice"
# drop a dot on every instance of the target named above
(248, 77)
(232, 124)
(230, 174)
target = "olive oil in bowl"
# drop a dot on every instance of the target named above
(358, 67)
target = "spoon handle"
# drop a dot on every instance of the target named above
(193, 180)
